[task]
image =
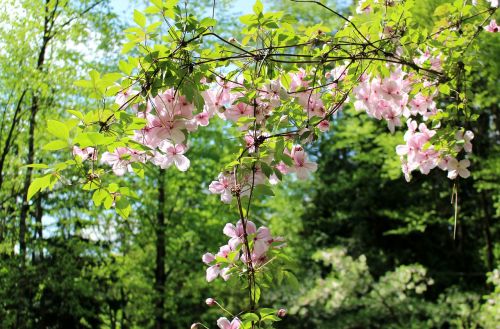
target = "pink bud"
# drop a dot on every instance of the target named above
(208, 258)
(210, 302)
(281, 313)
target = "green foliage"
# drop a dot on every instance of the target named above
(92, 244)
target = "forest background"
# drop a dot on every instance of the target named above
(370, 250)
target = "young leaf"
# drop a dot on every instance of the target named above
(37, 185)
(58, 129)
(139, 18)
(55, 145)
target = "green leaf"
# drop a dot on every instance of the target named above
(138, 169)
(444, 89)
(263, 190)
(58, 129)
(267, 311)
(77, 114)
(271, 318)
(123, 207)
(139, 18)
(291, 280)
(55, 145)
(36, 165)
(92, 139)
(126, 67)
(37, 185)
(157, 3)
(256, 293)
(152, 10)
(128, 47)
(207, 22)
(99, 196)
(258, 8)
(250, 317)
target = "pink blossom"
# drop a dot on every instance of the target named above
(362, 8)
(272, 93)
(213, 272)
(207, 258)
(302, 166)
(202, 118)
(124, 96)
(324, 125)
(298, 80)
(85, 153)
(494, 3)
(337, 74)
(172, 154)
(160, 128)
(120, 160)
(415, 154)
(261, 241)
(223, 323)
(223, 92)
(466, 138)
(492, 27)
(283, 168)
(222, 186)
(213, 102)
(249, 142)
(312, 103)
(236, 232)
(239, 110)
(458, 168)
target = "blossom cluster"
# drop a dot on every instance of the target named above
(419, 153)
(226, 185)
(164, 133)
(260, 241)
(389, 99)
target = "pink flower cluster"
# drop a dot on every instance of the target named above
(260, 241)
(226, 185)
(170, 117)
(419, 153)
(164, 133)
(389, 99)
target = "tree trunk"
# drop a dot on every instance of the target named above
(487, 232)
(8, 140)
(23, 293)
(160, 277)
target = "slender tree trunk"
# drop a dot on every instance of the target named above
(160, 277)
(39, 226)
(8, 140)
(23, 291)
(487, 232)
(124, 302)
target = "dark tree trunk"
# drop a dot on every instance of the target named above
(23, 293)
(8, 140)
(160, 276)
(487, 232)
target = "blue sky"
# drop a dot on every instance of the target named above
(126, 7)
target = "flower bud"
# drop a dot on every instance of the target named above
(210, 301)
(281, 313)
(194, 325)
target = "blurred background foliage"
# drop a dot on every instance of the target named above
(371, 250)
